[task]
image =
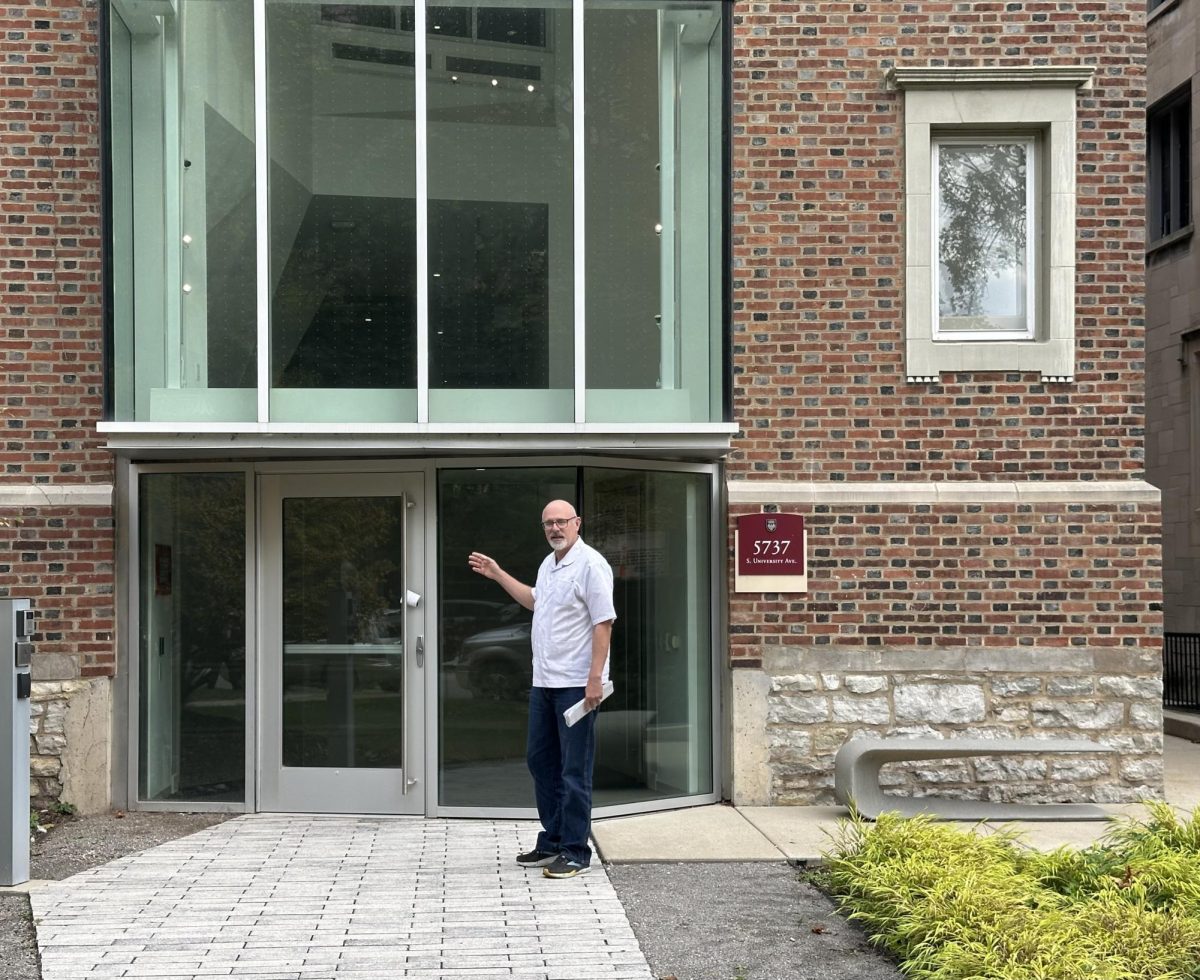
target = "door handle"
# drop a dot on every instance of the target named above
(420, 651)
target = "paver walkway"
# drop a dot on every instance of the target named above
(269, 897)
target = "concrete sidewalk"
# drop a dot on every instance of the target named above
(800, 834)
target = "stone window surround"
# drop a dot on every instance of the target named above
(1030, 98)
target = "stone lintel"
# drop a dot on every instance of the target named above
(1013, 76)
(991, 660)
(910, 492)
(56, 495)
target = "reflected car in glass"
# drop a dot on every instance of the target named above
(495, 663)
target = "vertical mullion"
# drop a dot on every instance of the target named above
(578, 188)
(934, 234)
(172, 195)
(1032, 252)
(421, 141)
(262, 225)
(1172, 189)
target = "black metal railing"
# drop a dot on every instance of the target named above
(1181, 671)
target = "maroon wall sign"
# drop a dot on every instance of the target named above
(770, 544)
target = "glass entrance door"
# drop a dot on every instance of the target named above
(343, 644)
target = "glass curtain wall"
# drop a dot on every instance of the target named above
(191, 647)
(341, 239)
(654, 735)
(183, 211)
(342, 177)
(654, 200)
(501, 276)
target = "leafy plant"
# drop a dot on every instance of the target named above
(952, 905)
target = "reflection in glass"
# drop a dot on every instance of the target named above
(184, 212)
(343, 212)
(192, 629)
(654, 735)
(983, 218)
(485, 661)
(653, 94)
(343, 622)
(501, 295)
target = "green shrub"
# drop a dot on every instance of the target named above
(955, 905)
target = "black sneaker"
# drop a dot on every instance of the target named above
(536, 858)
(564, 867)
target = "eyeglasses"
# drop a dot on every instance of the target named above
(556, 522)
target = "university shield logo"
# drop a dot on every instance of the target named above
(771, 523)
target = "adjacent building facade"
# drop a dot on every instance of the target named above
(306, 301)
(1173, 332)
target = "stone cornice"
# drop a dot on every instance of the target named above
(807, 492)
(56, 495)
(1022, 76)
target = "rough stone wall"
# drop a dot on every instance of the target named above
(58, 555)
(996, 617)
(818, 700)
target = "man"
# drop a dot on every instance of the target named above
(573, 614)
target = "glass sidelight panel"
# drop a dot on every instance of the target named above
(654, 200)
(654, 735)
(191, 643)
(485, 658)
(340, 108)
(343, 632)
(183, 211)
(501, 275)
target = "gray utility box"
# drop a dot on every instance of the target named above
(16, 650)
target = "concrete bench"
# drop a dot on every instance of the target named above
(858, 761)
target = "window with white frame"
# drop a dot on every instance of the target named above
(990, 238)
(985, 216)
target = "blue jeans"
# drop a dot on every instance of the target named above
(560, 760)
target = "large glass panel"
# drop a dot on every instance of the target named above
(654, 201)
(501, 294)
(340, 105)
(984, 207)
(343, 632)
(183, 211)
(654, 735)
(485, 661)
(191, 642)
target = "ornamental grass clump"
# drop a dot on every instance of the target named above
(951, 904)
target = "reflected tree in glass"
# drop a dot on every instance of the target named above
(982, 221)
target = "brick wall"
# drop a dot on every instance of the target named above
(55, 551)
(51, 367)
(818, 238)
(994, 617)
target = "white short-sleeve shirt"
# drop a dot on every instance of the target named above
(570, 598)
